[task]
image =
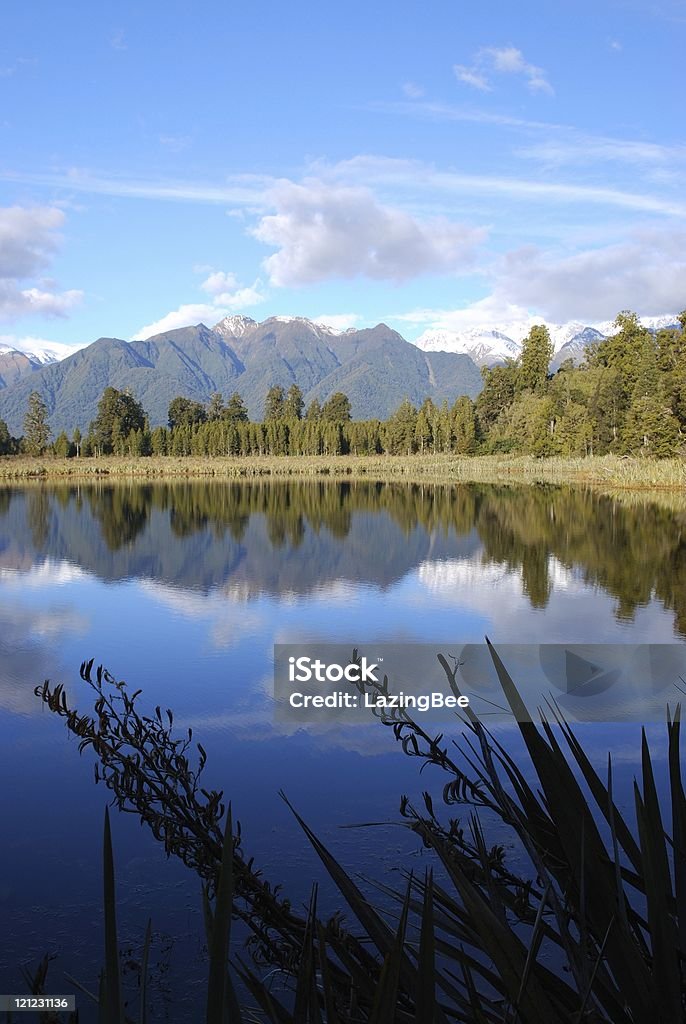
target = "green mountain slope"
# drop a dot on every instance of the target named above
(376, 368)
(13, 366)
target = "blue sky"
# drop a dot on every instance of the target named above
(429, 165)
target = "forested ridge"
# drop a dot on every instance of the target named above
(628, 397)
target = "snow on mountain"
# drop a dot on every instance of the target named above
(38, 351)
(653, 323)
(575, 347)
(488, 345)
(234, 326)
(484, 346)
(658, 323)
(319, 326)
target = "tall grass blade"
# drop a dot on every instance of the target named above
(112, 988)
(663, 936)
(678, 802)
(222, 1005)
(426, 973)
(306, 1006)
(386, 996)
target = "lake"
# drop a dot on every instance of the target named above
(183, 589)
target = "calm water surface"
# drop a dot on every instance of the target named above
(183, 589)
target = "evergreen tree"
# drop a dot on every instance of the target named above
(184, 412)
(429, 410)
(62, 446)
(651, 428)
(294, 404)
(537, 351)
(671, 357)
(36, 428)
(573, 434)
(496, 395)
(337, 408)
(76, 441)
(275, 402)
(400, 429)
(159, 441)
(422, 432)
(444, 429)
(314, 410)
(464, 426)
(118, 414)
(623, 352)
(5, 439)
(215, 407)
(236, 411)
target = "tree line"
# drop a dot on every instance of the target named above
(628, 397)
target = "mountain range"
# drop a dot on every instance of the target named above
(376, 368)
(488, 346)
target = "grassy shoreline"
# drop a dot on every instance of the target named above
(606, 471)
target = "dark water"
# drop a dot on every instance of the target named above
(183, 589)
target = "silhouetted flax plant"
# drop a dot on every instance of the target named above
(591, 929)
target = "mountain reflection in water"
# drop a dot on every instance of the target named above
(276, 538)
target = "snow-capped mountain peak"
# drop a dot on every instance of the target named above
(484, 345)
(234, 326)
(488, 345)
(38, 351)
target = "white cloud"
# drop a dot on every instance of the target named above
(227, 296)
(501, 60)
(247, 188)
(560, 143)
(16, 302)
(338, 321)
(324, 231)
(188, 315)
(414, 175)
(644, 273)
(412, 90)
(571, 147)
(494, 311)
(241, 298)
(219, 281)
(29, 237)
(470, 76)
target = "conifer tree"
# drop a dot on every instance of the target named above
(274, 406)
(294, 403)
(314, 410)
(62, 446)
(537, 351)
(5, 439)
(236, 411)
(36, 428)
(215, 407)
(185, 412)
(118, 414)
(464, 426)
(337, 408)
